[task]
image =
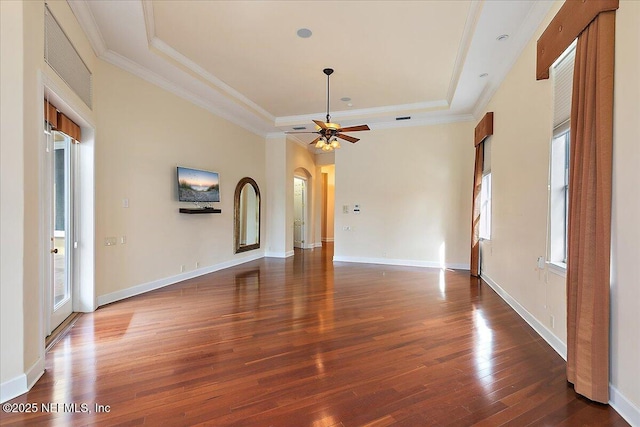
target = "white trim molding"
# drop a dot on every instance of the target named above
(279, 254)
(555, 342)
(161, 283)
(13, 388)
(401, 262)
(22, 383)
(623, 406)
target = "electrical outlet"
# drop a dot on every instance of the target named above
(552, 322)
(182, 267)
(197, 264)
(123, 240)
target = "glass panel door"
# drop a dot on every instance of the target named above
(61, 198)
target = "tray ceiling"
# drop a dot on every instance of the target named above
(243, 59)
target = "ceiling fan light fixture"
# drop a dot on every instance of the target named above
(328, 131)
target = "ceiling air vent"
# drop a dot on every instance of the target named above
(299, 128)
(404, 118)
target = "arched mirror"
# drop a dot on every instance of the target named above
(247, 215)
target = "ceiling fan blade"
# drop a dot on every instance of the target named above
(354, 128)
(321, 124)
(315, 140)
(347, 138)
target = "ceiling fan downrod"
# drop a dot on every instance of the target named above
(328, 72)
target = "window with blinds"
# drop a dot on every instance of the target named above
(562, 74)
(60, 54)
(562, 78)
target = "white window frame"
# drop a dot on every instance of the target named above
(559, 198)
(557, 238)
(485, 207)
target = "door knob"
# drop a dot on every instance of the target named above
(54, 251)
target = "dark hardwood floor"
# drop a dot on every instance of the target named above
(304, 342)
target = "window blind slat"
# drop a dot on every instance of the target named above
(60, 54)
(562, 88)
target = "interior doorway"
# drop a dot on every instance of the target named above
(299, 211)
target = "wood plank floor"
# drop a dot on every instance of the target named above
(304, 342)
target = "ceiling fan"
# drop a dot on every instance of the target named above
(330, 132)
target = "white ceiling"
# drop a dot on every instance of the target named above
(243, 59)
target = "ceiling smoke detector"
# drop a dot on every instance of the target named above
(304, 33)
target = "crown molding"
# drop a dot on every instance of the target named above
(424, 121)
(149, 20)
(535, 16)
(211, 80)
(88, 24)
(467, 36)
(245, 113)
(136, 69)
(389, 110)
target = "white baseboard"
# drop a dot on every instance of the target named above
(13, 388)
(317, 245)
(279, 254)
(161, 283)
(23, 382)
(401, 262)
(35, 372)
(624, 407)
(546, 334)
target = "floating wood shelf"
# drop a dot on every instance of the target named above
(200, 210)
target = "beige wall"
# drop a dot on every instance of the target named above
(24, 74)
(625, 286)
(276, 200)
(329, 209)
(301, 163)
(11, 192)
(520, 165)
(413, 186)
(143, 133)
